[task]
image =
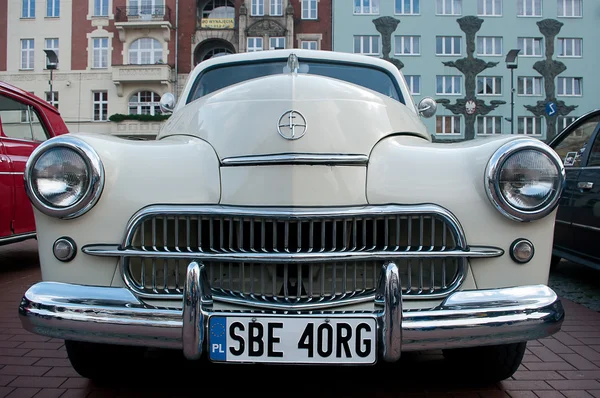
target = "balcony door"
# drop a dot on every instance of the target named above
(146, 8)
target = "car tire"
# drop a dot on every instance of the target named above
(554, 262)
(487, 363)
(103, 362)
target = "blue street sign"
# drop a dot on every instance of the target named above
(550, 108)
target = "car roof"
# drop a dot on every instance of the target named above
(6, 87)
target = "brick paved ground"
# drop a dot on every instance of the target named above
(565, 365)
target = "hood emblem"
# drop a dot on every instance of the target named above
(292, 125)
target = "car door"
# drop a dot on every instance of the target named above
(22, 132)
(570, 146)
(586, 205)
(6, 191)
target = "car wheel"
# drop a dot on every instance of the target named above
(102, 362)
(488, 363)
(554, 262)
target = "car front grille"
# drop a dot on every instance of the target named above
(294, 256)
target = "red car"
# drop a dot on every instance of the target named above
(25, 122)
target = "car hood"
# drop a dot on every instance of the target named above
(331, 116)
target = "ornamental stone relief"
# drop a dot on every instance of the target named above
(265, 27)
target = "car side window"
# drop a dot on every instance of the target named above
(572, 148)
(21, 121)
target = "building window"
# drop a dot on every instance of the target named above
(529, 125)
(146, 51)
(529, 86)
(100, 53)
(219, 9)
(366, 6)
(309, 9)
(489, 8)
(414, 84)
(53, 8)
(255, 44)
(309, 45)
(366, 45)
(570, 8)
(489, 125)
(569, 86)
(489, 85)
(257, 7)
(101, 8)
(529, 8)
(146, 8)
(407, 7)
(408, 45)
(27, 8)
(447, 45)
(100, 105)
(570, 47)
(27, 52)
(144, 103)
(447, 125)
(52, 98)
(276, 7)
(448, 85)
(52, 44)
(448, 7)
(530, 46)
(565, 121)
(490, 46)
(276, 43)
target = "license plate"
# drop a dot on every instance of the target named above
(292, 339)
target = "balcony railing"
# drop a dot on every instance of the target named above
(143, 13)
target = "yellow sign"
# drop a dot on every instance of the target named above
(218, 23)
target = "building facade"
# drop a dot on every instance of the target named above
(116, 58)
(456, 51)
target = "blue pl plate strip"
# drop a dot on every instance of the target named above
(218, 338)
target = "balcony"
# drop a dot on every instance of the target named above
(143, 17)
(141, 74)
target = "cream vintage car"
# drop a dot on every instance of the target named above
(294, 209)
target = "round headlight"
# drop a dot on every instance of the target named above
(525, 179)
(64, 177)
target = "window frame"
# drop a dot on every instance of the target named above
(399, 5)
(306, 10)
(522, 8)
(485, 122)
(484, 13)
(139, 52)
(560, 43)
(255, 8)
(523, 47)
(277, 39)
(443, 41)
(28, 5)
(153, 105)
(254, 39)
(564, 85)
(453, 125)
(52, 98)
(316, 43)
(102, 106)
(444, 5)
(30, 57)
(564, 8)
(483, 46)
(100, 7)
(412, 39)
(371, 40)
(274, 6)
(373, 7)
(533, 79)
(99, 51)
(410, 81)
(537, 124)
(54, 40)
(444, 78)
(494, 85)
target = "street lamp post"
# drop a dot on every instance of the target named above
(512, 63)
(51, 64)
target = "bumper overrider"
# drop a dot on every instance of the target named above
(465, 318)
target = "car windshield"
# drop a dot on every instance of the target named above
(362, 75)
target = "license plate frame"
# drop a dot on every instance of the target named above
(331, 344)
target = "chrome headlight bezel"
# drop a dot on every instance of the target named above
(492, 186)
(95, 171)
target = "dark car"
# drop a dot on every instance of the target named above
(577, 230)
(25, 122)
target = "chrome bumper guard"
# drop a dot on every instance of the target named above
(465, 318)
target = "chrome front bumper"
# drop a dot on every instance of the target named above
(464, 319)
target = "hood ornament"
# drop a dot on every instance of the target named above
(292, 125)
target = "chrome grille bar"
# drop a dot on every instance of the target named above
(294, 256)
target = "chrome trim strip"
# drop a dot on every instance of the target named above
(562, 222)
(116, 251)
(466, 318)
(16, 238)
(297, 158)
(494, 167)
(588, 227)
(92, 192)
(11, 173)
(193, 319)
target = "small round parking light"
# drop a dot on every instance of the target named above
(64, 249)
(521, 251)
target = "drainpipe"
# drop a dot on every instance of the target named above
(176, 47)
